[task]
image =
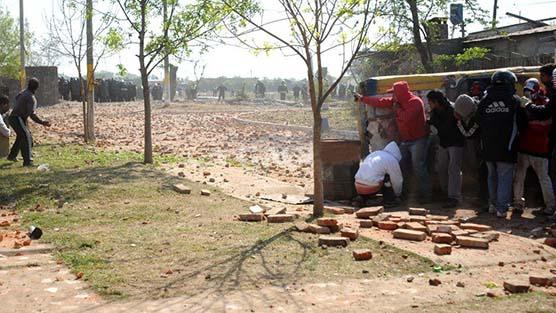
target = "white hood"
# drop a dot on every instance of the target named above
(393, 149)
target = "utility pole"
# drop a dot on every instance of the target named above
(494, 11)
(21, 46)
(167, 84)
(90, 134)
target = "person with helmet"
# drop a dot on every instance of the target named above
(500, 116)
(534, 145)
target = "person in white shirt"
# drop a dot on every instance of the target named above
(380, 169)
(4, 107)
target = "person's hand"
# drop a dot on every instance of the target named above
(523, 101)
(47, 123)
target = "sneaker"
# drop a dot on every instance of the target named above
(492, 209)
(501, 214)
(11, 159)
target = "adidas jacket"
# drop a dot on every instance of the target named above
(500, 117)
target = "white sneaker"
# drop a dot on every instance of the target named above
(491, 209)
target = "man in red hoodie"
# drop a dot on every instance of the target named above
(412, 127)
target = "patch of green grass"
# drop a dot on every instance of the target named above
(533, 302)
(121, 224)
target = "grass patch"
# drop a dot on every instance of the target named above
(533, 302)
(120, 223)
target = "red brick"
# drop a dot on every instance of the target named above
(489, 235)
(251, 217)
(542, 280)
(458, 233)
(332, 241)
(366, 223)
(442, 238)
(352, 234)
(280, 218)
(326, 221)
(516, 286)
(334, 210)
(415, 226)
(470, 242)
(437, 217)
(387, 225)
(477, 227)
(274, 211)
(362, 254)
(442, 249)
(550, 241)
(316, 229)
(417, 218)
(303, 227)
(381, 217)
(368, 212)
(407, 234)
(205, 192)
(449, 222)
(334, 228)
(418, 211)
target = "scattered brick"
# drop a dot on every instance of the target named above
(316, 229)
(434, 282)
(4, 224)
(516, 286)
(442, 249)
(368, 212)
(205, 192)
(251, 217)
(256, 209)
(542, 280)
(442, 238)
(183, 189)
(437, 217)
(381, 217)
(489, 235)
(477, 227)
(448, 222)
(408, 234)
(387, 225)
(362, 254)
(415, 226)
(280, 218)
(331, 241)
(334, 228)
(352, 234)
(366, 223)
(326, 221)
(303, 227)
(418, 211)
(458, 233)
(470, 242)
(349, 210)
(417, 218)
(275, 211)
(334, 210)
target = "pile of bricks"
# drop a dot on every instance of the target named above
(420, 225)
(274, 215)
(551, 239)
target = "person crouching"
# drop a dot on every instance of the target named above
(380, 171)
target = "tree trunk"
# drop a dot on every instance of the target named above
(148, 149)
(90, 138)
(84, 103)
(318, 205)
(421, 49)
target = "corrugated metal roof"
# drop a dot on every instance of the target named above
(543, 29)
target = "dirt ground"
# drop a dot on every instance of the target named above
(247, 161)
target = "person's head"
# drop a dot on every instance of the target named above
(546, 74)
(33, 84)
(464, 107)
(4, 104)
(503, 78)
(532, 88)
(400, 92)
(437, 100)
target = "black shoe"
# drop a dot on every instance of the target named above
(11, 159)
(450, 204)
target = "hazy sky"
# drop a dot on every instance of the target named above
(232, 61)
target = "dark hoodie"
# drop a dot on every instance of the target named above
(410, 115)
(25, 105)
(500, 117)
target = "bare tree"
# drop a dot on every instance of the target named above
(67, 29)
(311, 29)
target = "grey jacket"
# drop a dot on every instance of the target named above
(25, 106)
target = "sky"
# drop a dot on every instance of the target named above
(225, 60)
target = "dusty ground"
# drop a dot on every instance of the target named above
(245, 160)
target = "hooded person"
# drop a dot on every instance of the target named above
(534, 146)
(412, 128)
(500, 118)
(380, 170)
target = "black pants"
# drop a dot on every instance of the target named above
(23, 140)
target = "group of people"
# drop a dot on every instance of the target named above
(24, 108)
(507, 133)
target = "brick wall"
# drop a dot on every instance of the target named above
(48, 79)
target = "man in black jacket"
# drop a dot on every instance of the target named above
(500, 116)
(25, 106)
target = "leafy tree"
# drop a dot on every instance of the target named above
(313, 30)
(9, 46)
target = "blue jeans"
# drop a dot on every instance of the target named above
(416, 151)
(500, 179)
